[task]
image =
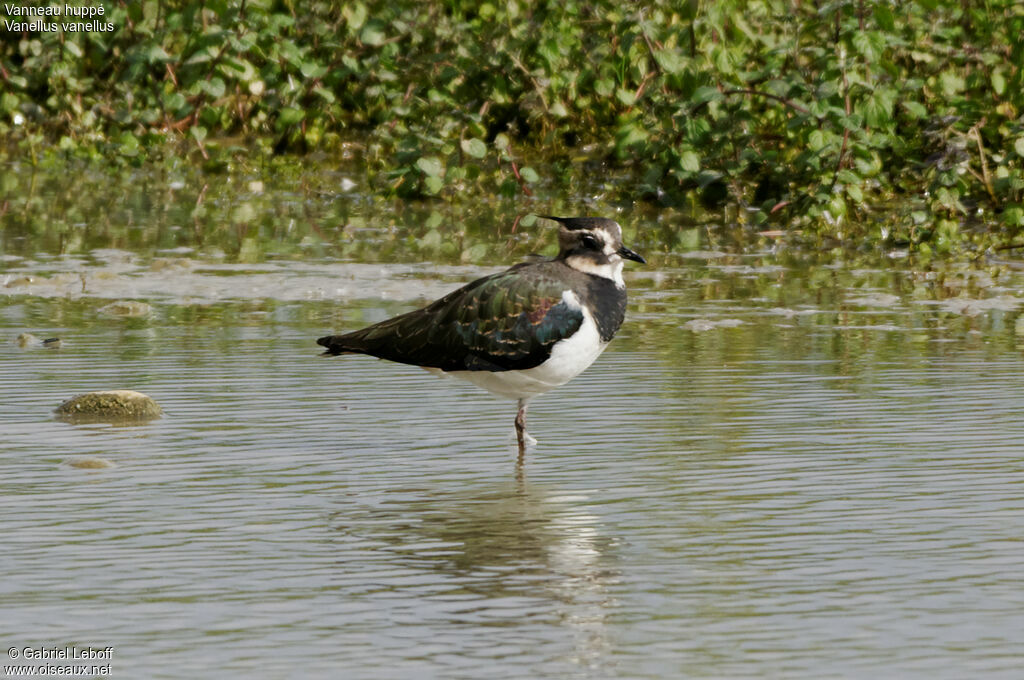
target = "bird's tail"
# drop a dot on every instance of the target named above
(339, 344)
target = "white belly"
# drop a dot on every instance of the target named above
(568, 359)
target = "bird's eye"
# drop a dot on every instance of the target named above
(588, 241)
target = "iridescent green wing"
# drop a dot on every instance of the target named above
(507, 321)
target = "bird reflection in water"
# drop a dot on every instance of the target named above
(513, 555)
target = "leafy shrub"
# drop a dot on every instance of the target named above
(810, 114)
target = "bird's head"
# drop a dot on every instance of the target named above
(593, 245)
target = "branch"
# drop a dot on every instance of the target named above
(782, 100)
(984, 165)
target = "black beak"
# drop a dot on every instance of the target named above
(628, 254)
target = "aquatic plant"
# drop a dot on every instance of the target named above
(847, 118)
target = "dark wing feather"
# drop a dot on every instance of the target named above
(506, 321)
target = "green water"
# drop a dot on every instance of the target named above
(784, 467)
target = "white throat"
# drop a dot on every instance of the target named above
(611, 271)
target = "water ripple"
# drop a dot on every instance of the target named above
(786, 498)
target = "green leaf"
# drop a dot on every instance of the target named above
(670, 61)
(156, 53)
(847, 177)
(627, 97)
(1018, 146)
(214, 87)
(529, 175)
(129, 145)
(355, 15)
(868, 167)
(875, 114)
(430, 166)
(433, 184)
(998, 83)
(884, 17)
(705, 94)
(312, 70)
(198, 132)
(948, 198)
(689, 161)
(837, 206)
(1013, 216)
(8, 102)
(951, 83)
(501, 141)
(290, 116)
(474, 147)
(629, 134)
(604, 87)
(434, 220)
(475, 253)
(878, 108)
(326, 94)
(240, 69)
(869, 44)
(373, 33)
(915, 109)
(175, 101)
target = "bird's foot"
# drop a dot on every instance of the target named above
(527, 439)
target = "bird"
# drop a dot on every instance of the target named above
(521, 332)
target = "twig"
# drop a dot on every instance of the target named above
(643, 86)
(170, 72)
(846, 129)
(643, 32)
(519, 178)
(511, 235)
(510, 243)
(791, 104)
(202, 193)
(536, 85)
(984, 164)
(195, 217)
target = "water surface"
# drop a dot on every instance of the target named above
(776, 470)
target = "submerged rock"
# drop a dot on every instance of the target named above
(90, 463)
(885, 300)
(701, 325)
(173, 263)
(126, 308)
(110, 406)
(27, 340)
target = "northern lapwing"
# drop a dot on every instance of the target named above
(521, 332)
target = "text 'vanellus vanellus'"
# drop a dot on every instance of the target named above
(521, 332)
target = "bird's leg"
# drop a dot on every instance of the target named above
(521, 428)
